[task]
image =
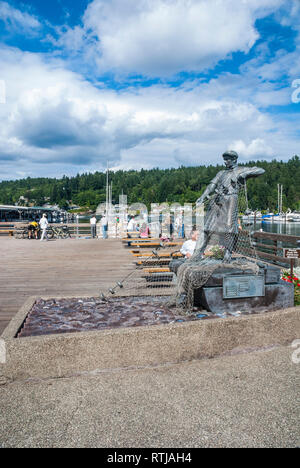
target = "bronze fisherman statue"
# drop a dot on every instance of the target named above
(222, 214)
(220, 230)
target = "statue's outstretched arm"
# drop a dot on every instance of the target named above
(251, 172)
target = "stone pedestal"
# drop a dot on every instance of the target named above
(239, 289)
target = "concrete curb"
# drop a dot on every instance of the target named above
(62, 355)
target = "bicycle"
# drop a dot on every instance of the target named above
(21, 232)
(58, 232)
(66, 232)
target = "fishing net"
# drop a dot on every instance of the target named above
(221, 242)
(148, 272)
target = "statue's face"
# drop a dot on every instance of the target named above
(229, 162)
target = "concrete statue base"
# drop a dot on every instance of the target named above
(238, 289)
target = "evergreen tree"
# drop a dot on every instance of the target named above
(183, 185)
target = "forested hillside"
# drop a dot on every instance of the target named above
(182, 185)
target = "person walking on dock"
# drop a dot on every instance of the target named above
(93, 222)
(43, 225)
(104, 226)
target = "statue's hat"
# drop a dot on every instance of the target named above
(230, 155)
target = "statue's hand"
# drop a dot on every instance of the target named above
(202, 199)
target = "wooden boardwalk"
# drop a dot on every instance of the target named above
(57, 267)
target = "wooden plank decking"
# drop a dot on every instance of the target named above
(58, 267)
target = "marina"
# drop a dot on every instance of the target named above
(291, 229)
(15, 213)
(149, 226)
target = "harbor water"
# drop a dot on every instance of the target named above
(276, 227)
(288, 228)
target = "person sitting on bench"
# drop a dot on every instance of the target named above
(144, 231)
(188, 246)
(186, 250)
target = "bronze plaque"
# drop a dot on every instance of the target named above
(243, 286)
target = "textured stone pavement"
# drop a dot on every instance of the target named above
(244, 400)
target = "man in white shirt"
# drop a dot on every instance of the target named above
(43, 225)
(93, 222)
(187, 250)
(188, 247)
(131, 227)
(104, 226)
(179, 228)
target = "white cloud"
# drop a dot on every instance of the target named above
(255, 149)
(17, 20)
(55, 122)
(271, 70)
(164, 37)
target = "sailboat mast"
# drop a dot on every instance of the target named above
(279, 197)
(110, 195)
(107, 190)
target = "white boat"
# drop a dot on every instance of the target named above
(280, 218)
(289, 216)
(295, 215)
(253, 215)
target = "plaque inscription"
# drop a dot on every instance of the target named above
(243, 286)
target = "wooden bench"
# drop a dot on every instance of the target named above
(5, 232)
(157, 270)
(158, 279)
(153, 262)
(137, 253)
(149, 240)
(137, 236)
(144, 244)
(6, 229)
(173, 243)
(126, 239)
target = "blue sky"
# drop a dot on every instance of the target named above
(153, 83)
